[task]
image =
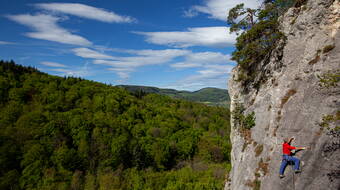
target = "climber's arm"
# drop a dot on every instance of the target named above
(290, 140)
(292, 147)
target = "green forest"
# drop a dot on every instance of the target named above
(208, 96)
(71, 133)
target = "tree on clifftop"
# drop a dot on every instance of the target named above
(246, 22)
(260, 35)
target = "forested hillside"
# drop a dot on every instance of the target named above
(209, 96)
(70, 133)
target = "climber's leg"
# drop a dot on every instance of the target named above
(283, 164)
(296, 163)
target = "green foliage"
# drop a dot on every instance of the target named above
(243, 121)
(287, 96)
(258, 39)
(315, 60)
(258, 150)
(70, 133)
(328, 48)
(329, 79)
(249, 121)
(245, 23)
(327, 120)
(208, 96)
(257, 185)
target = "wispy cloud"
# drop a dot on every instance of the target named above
(212, 70)
(201, 36)
(202, 59)
(218, 9)
(82, 71)
(52, 64)
(86, 11)
(123, 73)
(65, 70)
(46, 28)
(70, 72)
(6, 43)
(210, 64)
(190, 13)
(144, 57)
(124, 65)
(212, 76)
(136, 58)
(88, 53)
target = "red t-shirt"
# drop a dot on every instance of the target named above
(286, 148)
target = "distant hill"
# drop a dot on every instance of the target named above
(209, 96)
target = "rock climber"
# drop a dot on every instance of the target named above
(287, 156)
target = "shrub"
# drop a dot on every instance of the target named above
(284, 100)
(315, 60)
(255, 184)
(328, 119)
(249, 121)
(329, 79)
(263, 166)
(258, 150)
(243, 121)
(299, 3)
(328, 48)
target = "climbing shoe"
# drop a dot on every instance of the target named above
(297, 171)
(282, 176)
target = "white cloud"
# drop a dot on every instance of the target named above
(88, 53)
(124, 65)
(46, 28)
(190, 13)
(161, 54)
(213, 69)
(6, 43)
(121, 69)
(75, 72)
(144, 57)
(86, 11)
(212, 76)
(218, 9)
(123, 73)
(52, 64)
(202, 59)
(212, 66)
(201, 36)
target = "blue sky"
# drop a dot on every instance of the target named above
(180, 44)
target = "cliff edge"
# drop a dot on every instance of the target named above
(300, 97)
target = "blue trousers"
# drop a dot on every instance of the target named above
(287, 159)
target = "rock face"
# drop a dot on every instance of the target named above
(297, 101)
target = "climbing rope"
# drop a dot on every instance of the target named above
(293, 177)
